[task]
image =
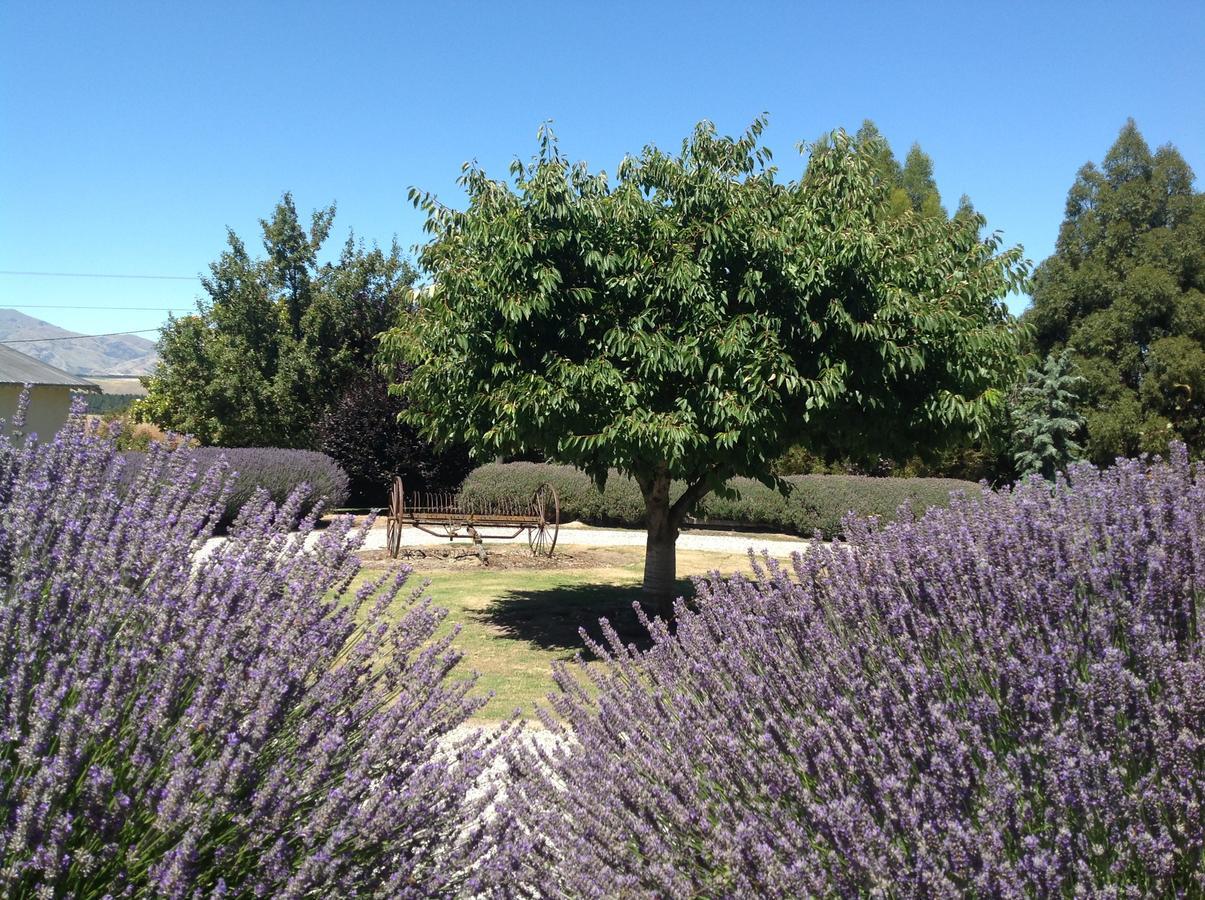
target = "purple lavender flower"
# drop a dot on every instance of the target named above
(235, 722)
(1005, 698)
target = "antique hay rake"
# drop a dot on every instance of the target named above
(447, 515)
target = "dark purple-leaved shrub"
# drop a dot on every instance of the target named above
(361, 432)
(235, 721)
(1004, 698)
(277, 470)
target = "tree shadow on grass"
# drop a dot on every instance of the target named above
(550, 618)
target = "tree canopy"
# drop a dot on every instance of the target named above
(276, 339)
(690, 318)
(1125, 291)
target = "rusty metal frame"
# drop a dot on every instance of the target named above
(442, 515)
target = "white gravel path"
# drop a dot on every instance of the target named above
(583, 535)
(576, 534)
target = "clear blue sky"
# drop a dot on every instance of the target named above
(132, 135)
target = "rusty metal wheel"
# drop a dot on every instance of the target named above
(546, 510)
(393, 525)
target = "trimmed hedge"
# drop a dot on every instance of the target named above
(580, 499)
(820, 502)
(277, 470)
(817, 503)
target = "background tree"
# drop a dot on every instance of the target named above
(277, 338)
(285, 341)
(1125, 290)
(1047, 418)
(912, 186)
(282, 353)
(690, 320)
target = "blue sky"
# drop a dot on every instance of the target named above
(132, 135)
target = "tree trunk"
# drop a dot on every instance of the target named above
(660, 559)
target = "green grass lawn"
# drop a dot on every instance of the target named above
(516, 622)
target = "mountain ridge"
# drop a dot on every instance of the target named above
(79, 354)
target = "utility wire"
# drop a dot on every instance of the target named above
(102, 275)
(77, 337)
(97, 308)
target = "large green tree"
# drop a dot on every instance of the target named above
(276, 339)
(690, 318)
(1125, 291)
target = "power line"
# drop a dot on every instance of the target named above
(95, 308)
(102, 275)
(77, 337)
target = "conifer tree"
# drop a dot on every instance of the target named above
(276, 339)
(1049, 422)
(912, 186)
(1125, 289)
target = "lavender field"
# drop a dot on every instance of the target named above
(1002, 698)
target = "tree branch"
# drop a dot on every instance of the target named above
(692, 494)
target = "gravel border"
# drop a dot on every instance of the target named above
(583, 535)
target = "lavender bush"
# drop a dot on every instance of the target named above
(1005, 698)
(277, 470)
(230, 723)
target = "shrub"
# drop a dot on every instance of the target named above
(1048, 418)
(1004, 698)
(131, 435)
(816, 503)
(109, 404)
(362, 434)
(234, 722)
(820, 503)
(580, 500)
(278, 471)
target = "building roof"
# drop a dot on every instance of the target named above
(19, 368)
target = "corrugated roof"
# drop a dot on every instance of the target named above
(19, 368)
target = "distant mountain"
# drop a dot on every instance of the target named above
(125, 354)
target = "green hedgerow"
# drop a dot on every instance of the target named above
(814, 503)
